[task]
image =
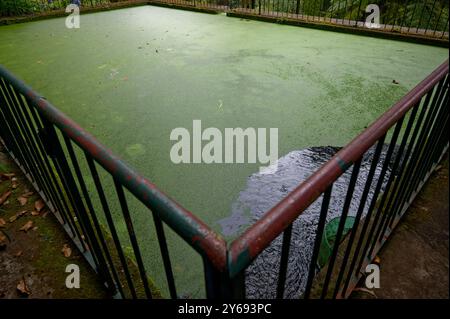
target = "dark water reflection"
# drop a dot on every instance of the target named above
(265, 190)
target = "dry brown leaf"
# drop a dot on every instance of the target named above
(7, 175)
(35, 228)
(14, 183)
(19, 253)
(4, 197)
(39, 205)
(66, 250)
(28, 225)
(34, 213)
(17, 216)
(377, 260)
(2, 222)
(22, 287)
(22, 200)
(27, 194)
(370, 292)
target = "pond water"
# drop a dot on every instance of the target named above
(131, 76)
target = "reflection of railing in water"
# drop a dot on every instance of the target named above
(416, 130)
(264, 191)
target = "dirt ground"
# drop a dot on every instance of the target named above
(34, 248)
(415, 260)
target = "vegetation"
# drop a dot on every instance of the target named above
(430, 14)
(24, 7)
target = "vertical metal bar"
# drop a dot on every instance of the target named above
(373, 203)
(412, 16)
(132, 235)
(213, 284)
(12, 122)
(397, 7)
(445, 28)
(399, 181)
(317, 241)
(437, 21)
(112, 284)
(46, 143)
(284, 261)
(165, 256)
(362, 204)
(409, 173)
(30, 135)
(110, 222)
(61, 201)
(72, 192)
(357, 13)
(424, 8)
(437, 99)
(340, 230)
(437, 123)
(429, 19)
(388, 194)
(404, 15)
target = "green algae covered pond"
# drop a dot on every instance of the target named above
(131, 76)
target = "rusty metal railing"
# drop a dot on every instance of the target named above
(413, 151)
(427, 18)
(42, 139)
(408, 141)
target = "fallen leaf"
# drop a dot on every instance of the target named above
(370, 292)
(22, 200)
(377, 260)
(4, 197)
(28, 225)
(34, 213)
(66, 250)
(14, 183)
(22, 287)
(17, 216)
(2, 222)
(35, 228)
(19, 253)
(39, 205)
(7, 175)
(27, 194)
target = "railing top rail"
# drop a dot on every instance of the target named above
(195, 232)
(258, 236)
